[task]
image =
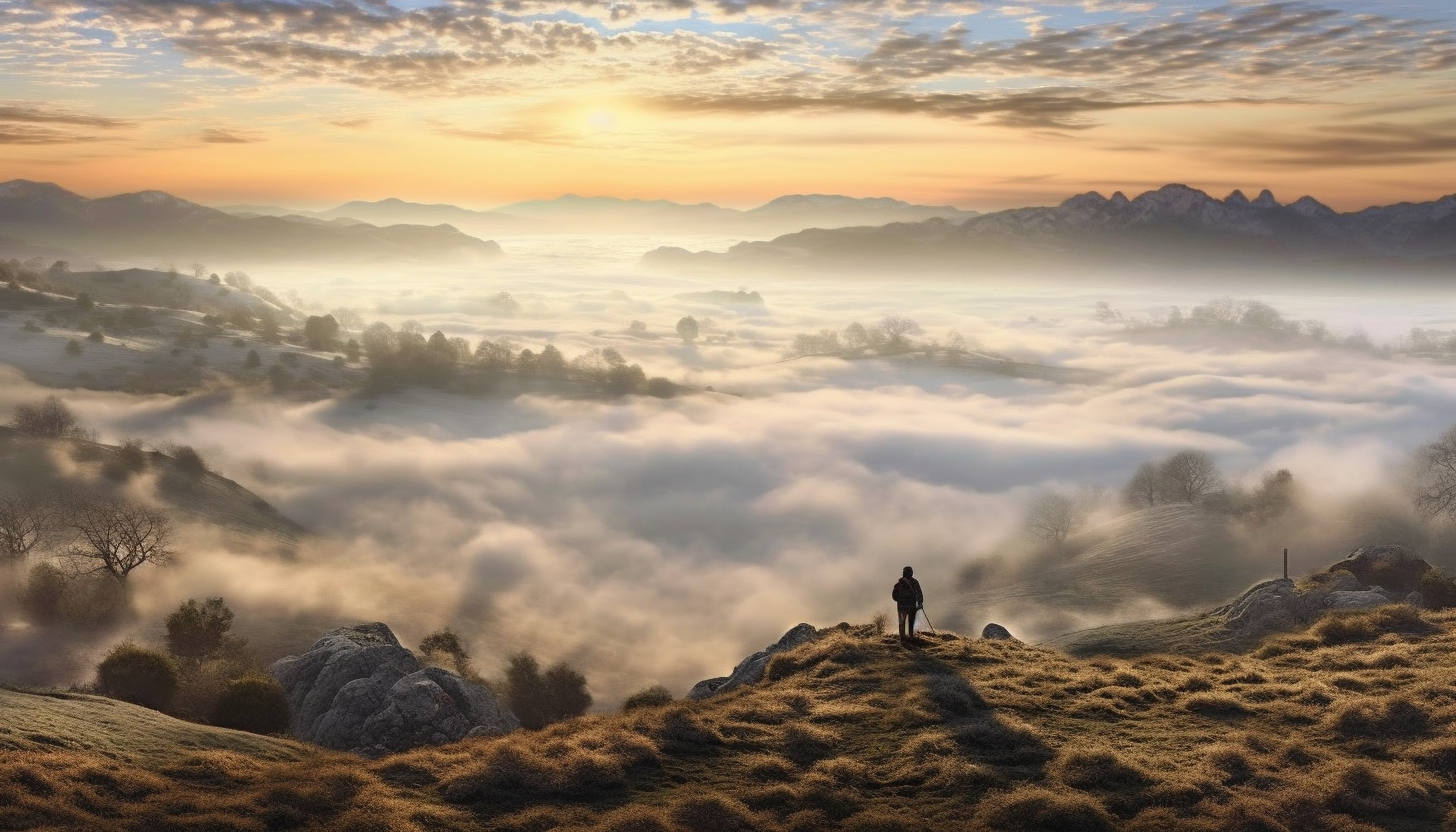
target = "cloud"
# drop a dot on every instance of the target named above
(39, 124)
(1361, 144)
(216, 136)
(1065, 110)
(661, 541)
(1248, 45)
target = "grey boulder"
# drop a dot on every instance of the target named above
(750, 670)
(357, 689)
(995, 632)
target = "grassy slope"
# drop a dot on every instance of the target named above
(1346, 727)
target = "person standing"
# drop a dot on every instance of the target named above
(908, 599)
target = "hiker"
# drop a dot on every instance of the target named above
(908, 599)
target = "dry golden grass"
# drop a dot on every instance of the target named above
(1346, 727)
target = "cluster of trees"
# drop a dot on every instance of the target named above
(1183, 478)
(889, 336)
(537, 698)
(93, 539)
(405, 356)
(1234, 314)
(205, 674)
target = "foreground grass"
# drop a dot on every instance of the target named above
(1345, 727)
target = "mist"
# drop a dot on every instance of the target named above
(658, 541)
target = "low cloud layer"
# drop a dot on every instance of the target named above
(649, 541)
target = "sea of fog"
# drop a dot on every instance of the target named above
(652, 541)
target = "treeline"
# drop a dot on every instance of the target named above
(1183, 478)
(405, 356)
(1234, 315)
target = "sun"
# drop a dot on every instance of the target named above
(602, 121)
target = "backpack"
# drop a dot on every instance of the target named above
(903, 593)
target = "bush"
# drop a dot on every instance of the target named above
(189, 460)
(73, 347)
(196, 631)
(539, 699)
(135, 674)
(1438, 590)
(653, 697)
(96, 337)
(41, 598)
(254, 703)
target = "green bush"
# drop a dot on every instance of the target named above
(254, 703)
(653, 697)
(135, 674)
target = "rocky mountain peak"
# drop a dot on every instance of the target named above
(1265, 200)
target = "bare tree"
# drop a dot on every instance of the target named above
(120, 535)
(27, 519)
(1188, 477)
(1145, 487)
(1053, 516)
(895, 328)
(1436, 476)
(51, 419)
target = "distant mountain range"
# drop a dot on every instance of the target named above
(42, 215)
(573, 214)
(1175, 225)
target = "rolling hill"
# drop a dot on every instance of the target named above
(156, 224)
(1344, 727)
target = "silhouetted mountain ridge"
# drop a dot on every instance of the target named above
(157, 224)
(1173, 224)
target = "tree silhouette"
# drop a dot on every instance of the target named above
(120, 535)
(1188, 477)
(687, 329)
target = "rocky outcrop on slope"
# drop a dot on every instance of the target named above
(1270, 607)
(357, 689)
(750, 670)
(1394, 566)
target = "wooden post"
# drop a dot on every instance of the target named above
(1286, 564)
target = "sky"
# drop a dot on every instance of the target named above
(309, 103)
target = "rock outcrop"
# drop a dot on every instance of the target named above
(995, 632)
(1394, 566)
(750, 670)
(357, 689)
(1269, 607)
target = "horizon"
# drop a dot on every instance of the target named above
(959, 104)
(339, 202)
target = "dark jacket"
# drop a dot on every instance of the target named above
(911, 599)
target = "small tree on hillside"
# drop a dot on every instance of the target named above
(50, 419)
(1435, 476)
(895, 330)
(28, 519)
(444, 645)
(196, 631)
(538, 700)
(1188, 477)
(1053, 516)
(321, 332)
(1145, 488)
(119, 535)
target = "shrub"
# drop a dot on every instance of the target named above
(135, 674)
(253, 361)
(96, 337)
(51, 419)
(444, 646)
(41, 598)
(196, 631)
(254, 703)
(653, 697)
(1438, 590)
(539, 699)
(73, 347)
(189, 460)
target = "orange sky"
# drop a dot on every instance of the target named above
(310, 104)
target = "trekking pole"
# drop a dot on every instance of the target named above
(927, 620)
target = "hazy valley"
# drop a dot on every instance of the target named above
(645, 471)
